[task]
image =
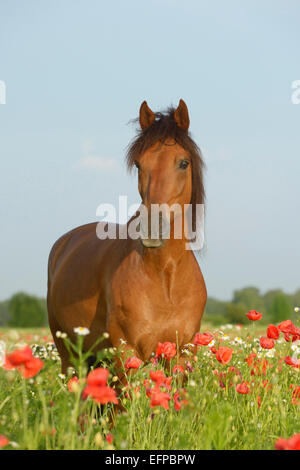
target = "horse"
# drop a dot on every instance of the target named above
(140, 291)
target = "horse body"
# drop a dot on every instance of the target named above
(139, 291)
(117, 286)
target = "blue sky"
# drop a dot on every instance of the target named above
(77, 71)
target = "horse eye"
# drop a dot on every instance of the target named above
(184, 164)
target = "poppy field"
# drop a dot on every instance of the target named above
(238, 388)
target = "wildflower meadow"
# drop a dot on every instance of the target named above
(238, 388)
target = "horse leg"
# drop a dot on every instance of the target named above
(59, 343)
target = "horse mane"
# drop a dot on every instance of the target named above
(165, 127)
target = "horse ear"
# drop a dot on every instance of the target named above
(181, 116)
(147, 117)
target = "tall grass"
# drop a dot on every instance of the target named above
(42, 413)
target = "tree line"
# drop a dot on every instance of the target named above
(24, 310)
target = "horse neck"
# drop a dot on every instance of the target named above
(173, 252)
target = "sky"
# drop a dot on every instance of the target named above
(76, 73)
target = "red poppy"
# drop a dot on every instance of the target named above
(259, 401)
(273, 332)
(20, 356)
(266, 343)
(133, 363)
(242, 388)
(30, 368)
(179, 399)
(102, 394)
(254, 315)
(250, 359)
(73, 380)
(109, 438)
(178, 369)
(293, 443)
(166, 350)
(160, 379)
(24, 361)
(286, 326)
(98, 377)
(3, 441)
(159, 398)
(203, 339)
(296, 396)
(157, 376)
(224, 354)
(292, 361)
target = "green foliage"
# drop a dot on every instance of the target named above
(235, 313)
(4, 312)
(250, 297)
(26, 311)
(275, 305)
(215, 307)
(280, 308)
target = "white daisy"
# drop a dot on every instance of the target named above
(81, 330)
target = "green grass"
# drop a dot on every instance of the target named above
(41, 413)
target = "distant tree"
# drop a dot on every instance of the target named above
(236, 313)
(269, 296)
(215, 307)
(250, 297)
(295, 298)
(280, 309)
(26, 311)
(4, 312)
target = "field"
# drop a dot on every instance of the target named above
(227, 402)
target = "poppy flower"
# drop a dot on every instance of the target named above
(273, 332)
(159, 398)
(286, 326)
(30, 368)
(166, 350)
(292, 361)
(293, 443)
(157, 376)
(296, 396)
(178, 369)
(3, 441)
(160, 379)
(224, 354)
(98, 377)
(179, 399)
(19, 356)
(259, 401)
(254, 315)
(203, 339)
(72, 384)
(133, 363)
(109, 438)
(24, 361)
(102, 394)
(266, 343)
(242, 388)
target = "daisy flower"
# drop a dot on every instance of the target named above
(81, 330)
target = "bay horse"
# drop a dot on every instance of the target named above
(141, 291)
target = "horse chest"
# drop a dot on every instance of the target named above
(161, 308)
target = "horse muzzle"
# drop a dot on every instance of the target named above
(152, 243)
